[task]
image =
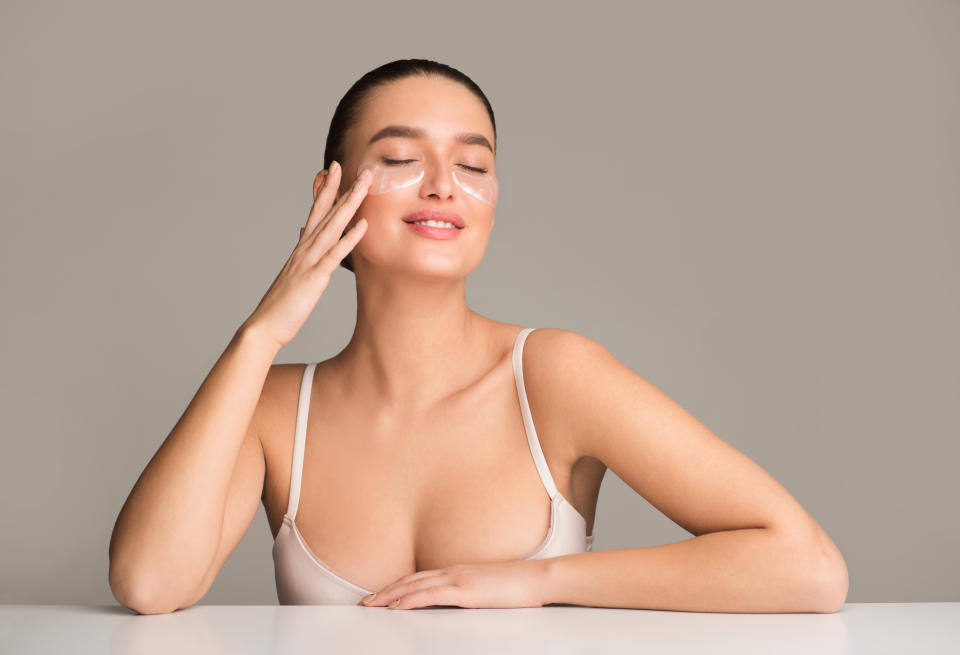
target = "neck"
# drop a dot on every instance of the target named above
(415, 342)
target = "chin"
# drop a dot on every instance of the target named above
(446, 270)
(426, 262)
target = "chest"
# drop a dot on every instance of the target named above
(381, 498)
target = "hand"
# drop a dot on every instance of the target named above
(498, 584)
(288, 302)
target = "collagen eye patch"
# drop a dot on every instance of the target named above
(386, 178)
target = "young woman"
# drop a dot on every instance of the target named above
(442, 457)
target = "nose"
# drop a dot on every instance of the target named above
(437, 181)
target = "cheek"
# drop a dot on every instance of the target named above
(378, 207)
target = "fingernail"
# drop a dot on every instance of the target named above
(394, 604)
(368, 598)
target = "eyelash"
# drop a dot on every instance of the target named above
(397, 162)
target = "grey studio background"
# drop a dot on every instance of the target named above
(754, 205)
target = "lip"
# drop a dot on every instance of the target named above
(434, 232)
(435, 215)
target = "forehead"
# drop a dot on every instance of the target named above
(441, 107)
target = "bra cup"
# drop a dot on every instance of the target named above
(566, 534)
(304, 579)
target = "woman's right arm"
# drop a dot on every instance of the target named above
(166, 544)
(169, 529)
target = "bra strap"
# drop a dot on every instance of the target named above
(532, 439)
(300, 439)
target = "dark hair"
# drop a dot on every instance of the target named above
(350, 107)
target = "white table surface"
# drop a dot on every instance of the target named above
(907, 628)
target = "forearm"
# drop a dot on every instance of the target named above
(751, 570)
(168, 530)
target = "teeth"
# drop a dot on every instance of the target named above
(432, 223)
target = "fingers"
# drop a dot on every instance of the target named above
(352, 196)
(332, 258)
(331, 227)
(325, 197)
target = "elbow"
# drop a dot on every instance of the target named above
(137, 601)
(821, 585)
(140, 598)
(144, 603)
(834, 585)
(819, 574)
(834, 576)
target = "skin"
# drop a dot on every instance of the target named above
(418, 362)
(418, 481)
(412, 314)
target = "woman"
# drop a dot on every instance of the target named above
(444, 458)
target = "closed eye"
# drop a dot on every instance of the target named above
(400, 162)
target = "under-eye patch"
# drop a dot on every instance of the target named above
(393, 177)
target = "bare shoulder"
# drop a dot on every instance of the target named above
(278, 399)
(557, 351)
(557, 364)
(281, 376)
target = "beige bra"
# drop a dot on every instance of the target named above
(304, 579)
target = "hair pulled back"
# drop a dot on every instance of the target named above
(350, 107)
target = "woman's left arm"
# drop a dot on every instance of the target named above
(755, 548)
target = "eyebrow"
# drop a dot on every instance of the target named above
(408, 132)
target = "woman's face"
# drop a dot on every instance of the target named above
(428, 168)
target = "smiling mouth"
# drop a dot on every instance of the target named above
(442, 225)
(439, 218)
